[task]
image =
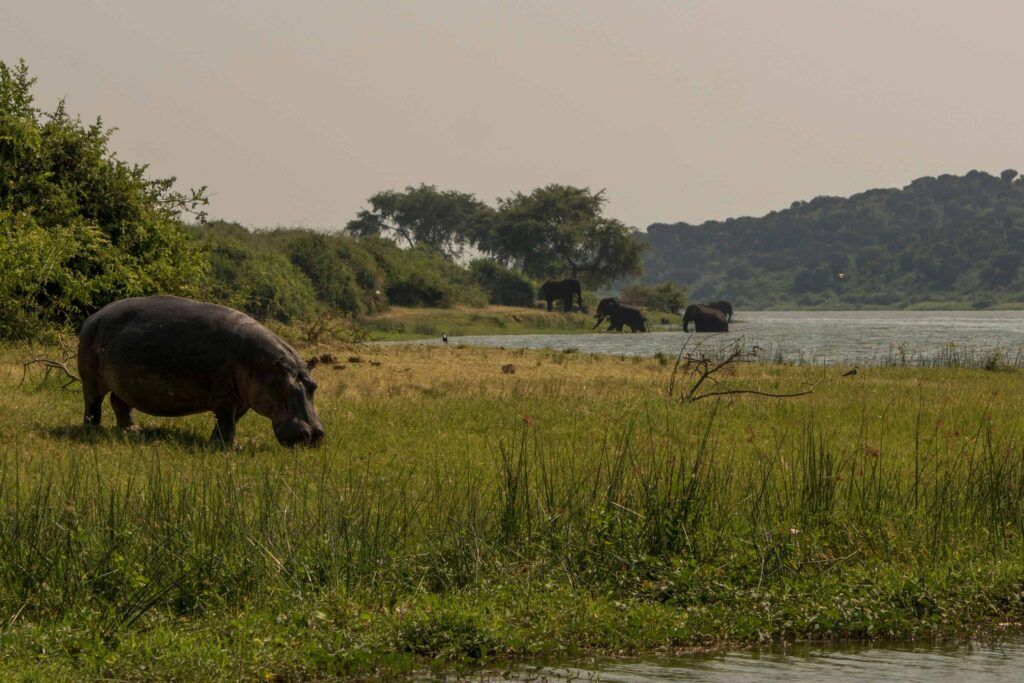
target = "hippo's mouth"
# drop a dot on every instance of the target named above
(293, 433)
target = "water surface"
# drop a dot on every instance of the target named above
(812, 336)
(960, 663)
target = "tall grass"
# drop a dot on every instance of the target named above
(129, 537)
(575, 474)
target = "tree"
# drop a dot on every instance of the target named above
(560, 230)
(79, 227)
(446, 221)
(1008, 175)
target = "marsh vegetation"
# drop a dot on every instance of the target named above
(460, 514)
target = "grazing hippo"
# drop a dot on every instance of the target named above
(169, 356)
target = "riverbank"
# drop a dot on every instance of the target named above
(474, 506)
(399, 324)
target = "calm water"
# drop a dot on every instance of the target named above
(967, 663)
(811, 337)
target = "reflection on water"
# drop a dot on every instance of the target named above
(812, 336)
(962, 663)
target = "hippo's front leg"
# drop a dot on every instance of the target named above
(224, 431)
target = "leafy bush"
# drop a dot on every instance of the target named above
(78, 227)
(305, 269)
(260, 282)
(421, 276)
(666, 296)
(504, 287)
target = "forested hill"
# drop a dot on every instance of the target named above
(949, 241)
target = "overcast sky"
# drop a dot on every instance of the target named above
(294, 113)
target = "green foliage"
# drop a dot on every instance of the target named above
(421, 276)
(303, 270)
(560, 230)
(665, 296)
(344, 273)
(80, 227)
(504, 287)
(446, 220)
(946, 239)
(262, 282)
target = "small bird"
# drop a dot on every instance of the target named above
(851, 373)
(444, 338)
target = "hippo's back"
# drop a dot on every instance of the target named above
(170, 355)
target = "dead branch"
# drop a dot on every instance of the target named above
(749, 391)
(68, 350)
(50, 366)
(700, 367)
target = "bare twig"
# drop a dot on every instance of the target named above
(68, 351)
(50, 366)
(701, 367)
(749, 391)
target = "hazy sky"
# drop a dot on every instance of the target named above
(295, 112)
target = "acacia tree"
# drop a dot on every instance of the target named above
(560, 230)
(446, 221)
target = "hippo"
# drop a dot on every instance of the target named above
(170, 356)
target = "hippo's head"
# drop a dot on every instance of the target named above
(285, 395)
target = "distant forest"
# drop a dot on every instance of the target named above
(949, 241)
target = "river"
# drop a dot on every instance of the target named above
(830, 337)
(959, 663)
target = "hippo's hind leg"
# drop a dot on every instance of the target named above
(92, 396)
(123, 412)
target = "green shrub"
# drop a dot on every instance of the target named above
(78, 227)
(421, 276)
(345, 275)
(260, 282)
(504, 287)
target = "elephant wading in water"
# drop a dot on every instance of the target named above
(169, 356)
(725, 307)
(704, 319)
(564, 290)
(618, 314)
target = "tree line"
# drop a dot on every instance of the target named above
(954, 241)
(555, 230)
(80, 228)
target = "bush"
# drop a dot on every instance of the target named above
(421, 276)
(78, 227)
(504, 287)
(260, 282)
(666, 296)
(345, 275)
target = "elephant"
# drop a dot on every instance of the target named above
(724, 306)
(704, 319)
(618, 314)
(564, 290)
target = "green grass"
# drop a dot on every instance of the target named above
(458, 516)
